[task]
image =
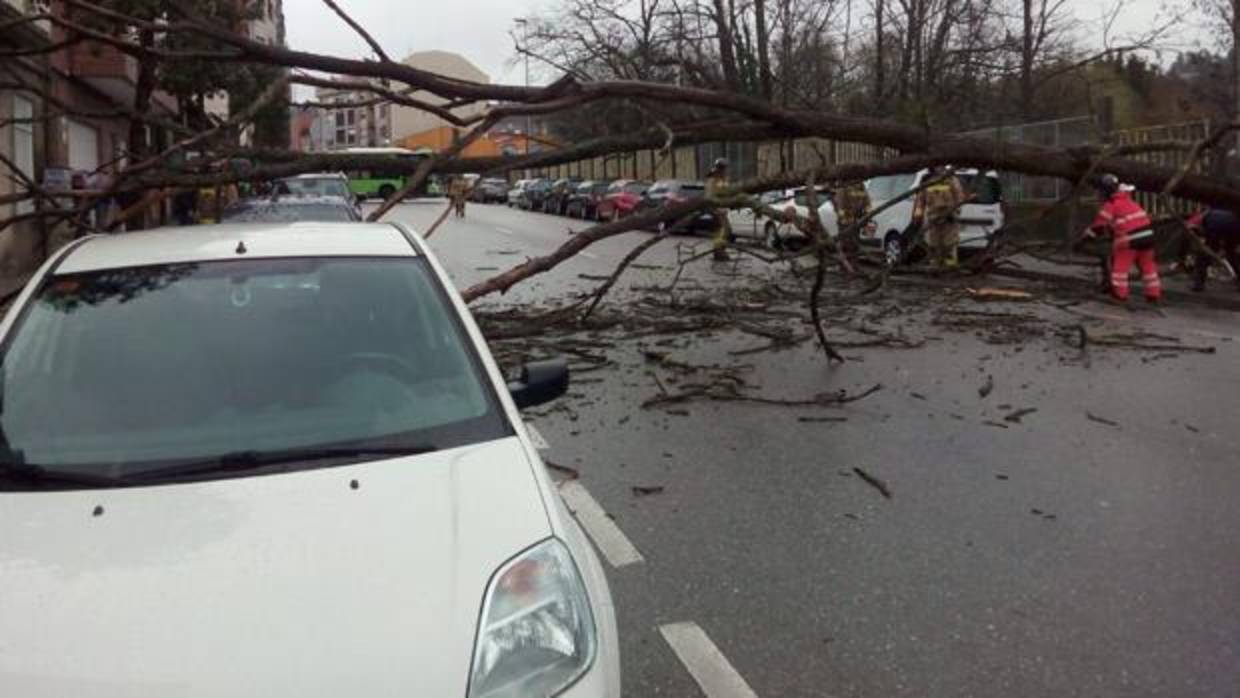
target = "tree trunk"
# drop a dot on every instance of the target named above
(880, 58)
(764, 49)
(727, 55)
(138, 147)
(1026, 62)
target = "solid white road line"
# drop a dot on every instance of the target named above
(607, 536)
(705, 662)
(536, 438)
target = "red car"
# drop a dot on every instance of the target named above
(620, 199)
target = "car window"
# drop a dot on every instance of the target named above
(314, 186)
(123, 370)
(636, 188)
(985, 190)
(889, 187)
(288, 212)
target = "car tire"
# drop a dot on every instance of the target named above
(893, 248)
(386, 191)
(770, 236)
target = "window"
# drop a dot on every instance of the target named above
(985, 190)
(23, 144)
(258, 356)
(887, 188)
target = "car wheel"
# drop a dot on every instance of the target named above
(770, 236)
(386, 191)
(893, 248)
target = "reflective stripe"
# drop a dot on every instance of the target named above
(1106, 215)
(1131, 217)
(1142, 234)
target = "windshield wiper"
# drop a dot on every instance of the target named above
(254, 460)
(40, 474)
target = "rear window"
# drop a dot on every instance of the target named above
(889, 187)
(119, 371)
(985, 190)
(288, 212)
(636, 188)
(313, 186)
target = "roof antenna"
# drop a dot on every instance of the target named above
(241, 247)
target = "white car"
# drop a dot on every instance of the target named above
(978, 219)
(514, 194)
(778, 234)
(279, 461)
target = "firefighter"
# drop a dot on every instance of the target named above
(852, 203)
(458, 188)
(1132, 240)
(936, 209)
(716, 181)
(1219, 230)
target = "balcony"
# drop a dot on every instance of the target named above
(112, 72)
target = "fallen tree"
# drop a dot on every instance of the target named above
(704, 115)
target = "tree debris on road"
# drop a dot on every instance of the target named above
(874, 482)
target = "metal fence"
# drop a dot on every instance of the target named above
(760, 159)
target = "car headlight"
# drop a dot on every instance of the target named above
(537, 633)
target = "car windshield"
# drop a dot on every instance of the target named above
(885, 188)
(117, 372)
(288, 212)
(314, 186)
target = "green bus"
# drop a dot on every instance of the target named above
(380, 182)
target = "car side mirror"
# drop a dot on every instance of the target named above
(540, 382)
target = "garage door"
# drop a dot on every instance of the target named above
(83, 146)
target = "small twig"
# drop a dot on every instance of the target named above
(374, 45)
(874, 482)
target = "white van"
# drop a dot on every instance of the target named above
(979, 219)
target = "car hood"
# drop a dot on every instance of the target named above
(280, 585)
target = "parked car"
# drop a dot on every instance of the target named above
(894, 228)
(673, 191)
(557, 197)
(287, 209)
(514, 194)
(583, 203)
(532, 195)
(319, 184)
(620, 199)
(490, 190)
(315, 481)
(780, 234)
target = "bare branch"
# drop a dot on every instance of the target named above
(374, 45)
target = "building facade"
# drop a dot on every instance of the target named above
(361, 120)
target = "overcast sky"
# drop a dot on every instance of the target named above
(479, 29)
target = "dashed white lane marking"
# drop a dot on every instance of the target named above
(712, 671)
(536, 438)
(505, 231)
(588, 255)
(607, 536)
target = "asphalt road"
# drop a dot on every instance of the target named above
(1086, 548)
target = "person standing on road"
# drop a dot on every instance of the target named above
(457, 189)
(1132, 239)
(936, 207)
(1219, 230)
(716, 182)
(852, 204)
